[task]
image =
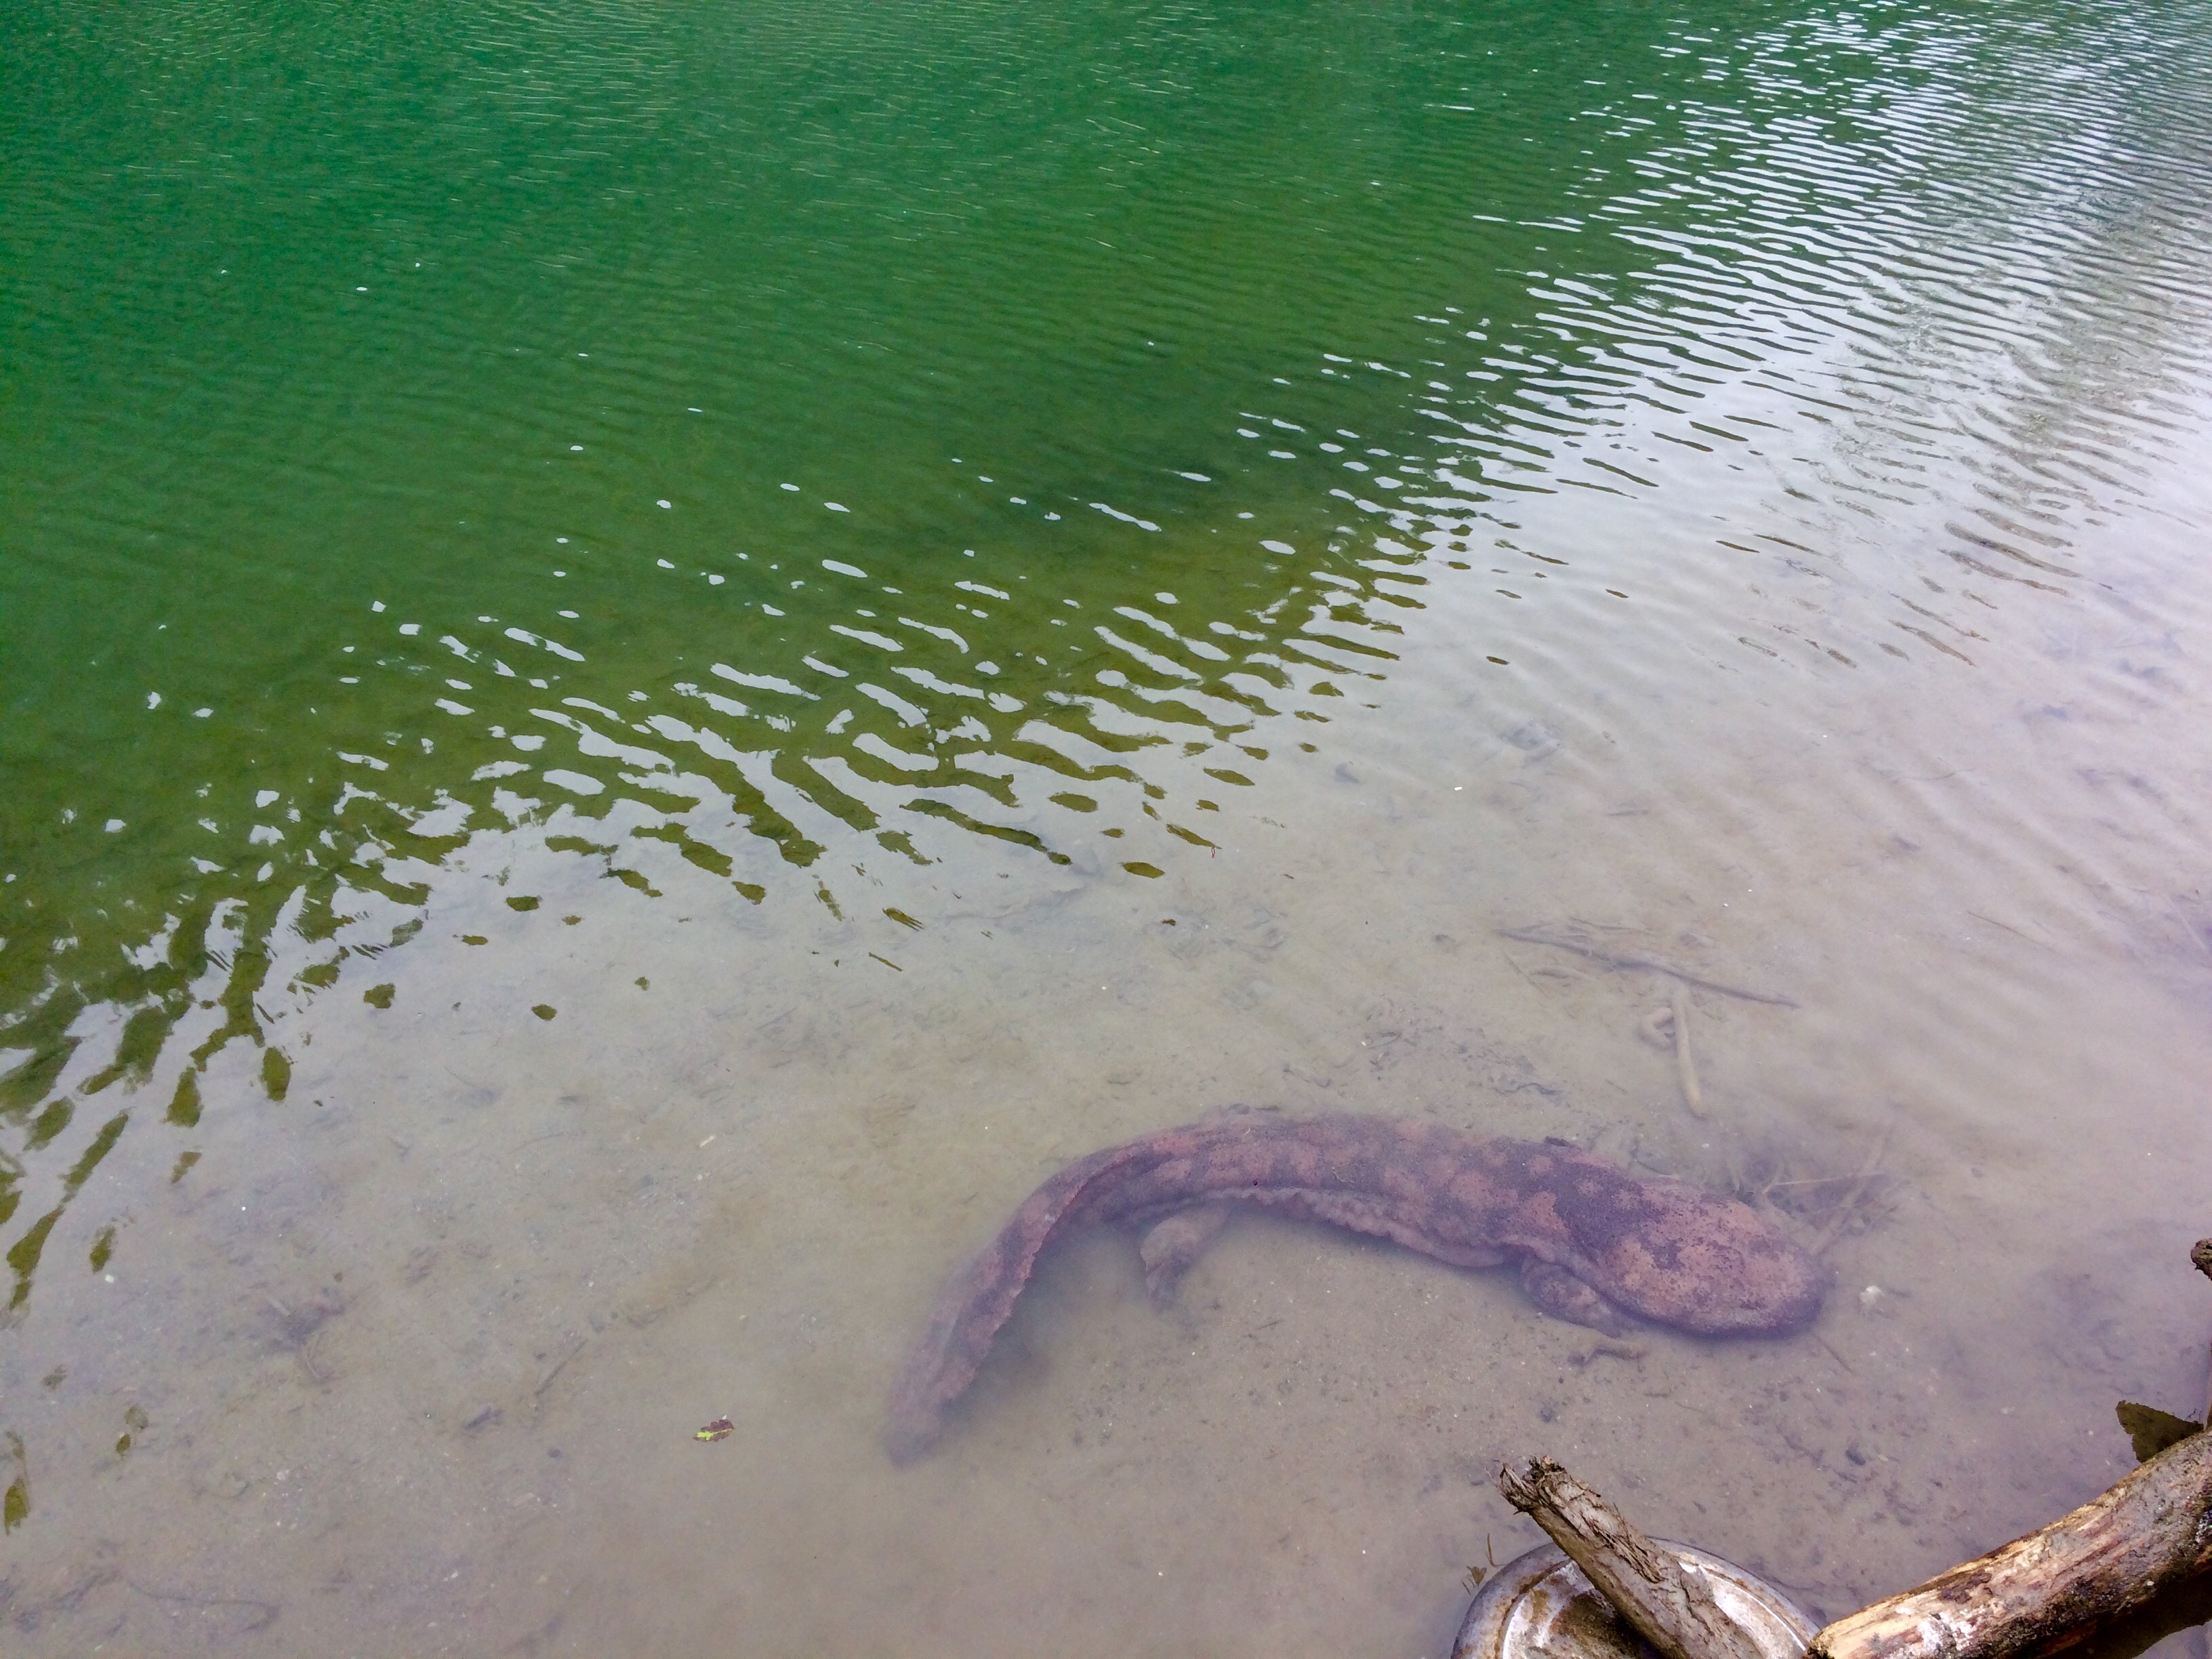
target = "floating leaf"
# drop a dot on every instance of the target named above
(16, 1504)
(2152, 1429)
(720, 1429)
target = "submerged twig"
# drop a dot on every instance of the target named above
(559, 1366)
(1669, 1027)
(1847, 1206)
(255, 1614)
(1685, 1069)
(2187, 926)
(1559, 939)
(2009, 928)
(1606, 1347)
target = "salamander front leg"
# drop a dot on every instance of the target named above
(1170, 1245)
(1563, 1296)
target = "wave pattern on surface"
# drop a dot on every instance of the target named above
(706, 538)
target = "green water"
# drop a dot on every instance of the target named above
(309, 315)
(419, 418)
(327, 339)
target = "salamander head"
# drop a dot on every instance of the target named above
(1682, 1256)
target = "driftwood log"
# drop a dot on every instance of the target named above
(2129, 1567)
(1671, 1609)
(2104, 1566)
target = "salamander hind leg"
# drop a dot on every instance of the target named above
(1563, 1296)
(1171, 1245)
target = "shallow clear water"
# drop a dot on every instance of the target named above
(654, 656)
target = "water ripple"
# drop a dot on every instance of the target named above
(757, 442)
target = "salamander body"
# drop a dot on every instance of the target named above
(1594, 1244)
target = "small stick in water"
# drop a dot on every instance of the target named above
(1848, 1207)
(1685, 1068)
(1560, 938)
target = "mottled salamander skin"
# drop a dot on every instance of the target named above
(1592, 1241)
